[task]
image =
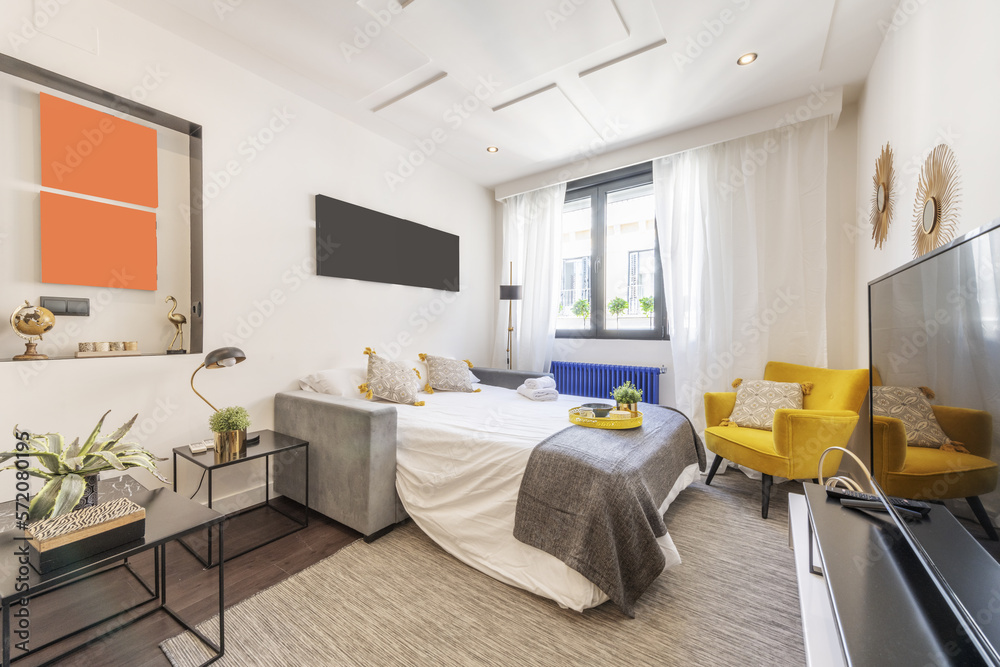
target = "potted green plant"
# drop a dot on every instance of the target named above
(70, 470)
(626, 396)
(616, 307)
(647, 304)
(582, 309)
(230, 428)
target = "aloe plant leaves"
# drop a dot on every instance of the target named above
(64, 466)
(93, 436)
(70, 493)
(119, 434)
(43, 502)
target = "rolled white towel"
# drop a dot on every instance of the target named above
(540, 383)
(538, 394)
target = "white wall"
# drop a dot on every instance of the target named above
(934, 81)
(261, 291)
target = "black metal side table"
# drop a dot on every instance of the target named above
(168, 518)
(285, 450)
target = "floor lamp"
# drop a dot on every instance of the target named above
(510, 293)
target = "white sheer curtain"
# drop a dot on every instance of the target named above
(742, 228)
(532, 226)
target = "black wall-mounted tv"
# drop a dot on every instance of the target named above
(356, 242)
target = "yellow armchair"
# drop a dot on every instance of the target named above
(928, 473)
(799, 438)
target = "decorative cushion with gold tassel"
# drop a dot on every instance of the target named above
(390, 380)
(912, 406)
(756, 401)
(447, 374)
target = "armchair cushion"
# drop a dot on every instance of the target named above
(756, 401)
(910, 405)
(933, 474)
(751, 447)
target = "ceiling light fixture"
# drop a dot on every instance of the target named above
(746, 59)
(492, 149)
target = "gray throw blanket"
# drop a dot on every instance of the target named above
(590, 497)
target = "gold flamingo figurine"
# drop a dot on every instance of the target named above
(178, 321)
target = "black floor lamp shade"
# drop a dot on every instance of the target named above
(510, 292)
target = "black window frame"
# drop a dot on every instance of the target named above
(596, 189)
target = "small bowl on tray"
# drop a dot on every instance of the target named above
(600, 410)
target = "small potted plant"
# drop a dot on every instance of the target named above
(71, 471)
(230, 428)
(626, 396)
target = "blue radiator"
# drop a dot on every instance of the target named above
(597, 380)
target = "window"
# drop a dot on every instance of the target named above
(641, 277)
(575, 281)
(609, 257)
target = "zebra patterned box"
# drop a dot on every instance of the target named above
(63, 540)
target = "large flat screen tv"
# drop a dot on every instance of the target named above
(935, 325)
(356, 242)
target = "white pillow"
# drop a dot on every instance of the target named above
(336, 381)
(419, 366)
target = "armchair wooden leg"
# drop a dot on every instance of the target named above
(765, 494)
(977, 508)
(715, 468)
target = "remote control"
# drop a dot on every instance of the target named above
(877, 506)
(912, 505)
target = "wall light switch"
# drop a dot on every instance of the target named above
(63, 305)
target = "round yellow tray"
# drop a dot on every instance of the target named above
(604, 422)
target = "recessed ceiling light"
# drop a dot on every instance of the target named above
(492, 149)
(746, 59)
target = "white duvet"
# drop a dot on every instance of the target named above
(459, 463)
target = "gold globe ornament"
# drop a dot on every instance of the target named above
(30, 322)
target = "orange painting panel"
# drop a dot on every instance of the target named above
(94, 153)
(86, 242)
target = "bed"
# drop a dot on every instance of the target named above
(455, 466)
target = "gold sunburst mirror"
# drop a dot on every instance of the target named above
(885, 186)
(935, 211)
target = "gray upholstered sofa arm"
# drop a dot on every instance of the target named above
(352, 457)
(501, 377)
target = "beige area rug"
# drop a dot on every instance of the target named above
(403, 601)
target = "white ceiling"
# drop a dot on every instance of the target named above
(544, 80)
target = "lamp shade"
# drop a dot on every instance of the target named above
(223, 357)
(510, 292)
